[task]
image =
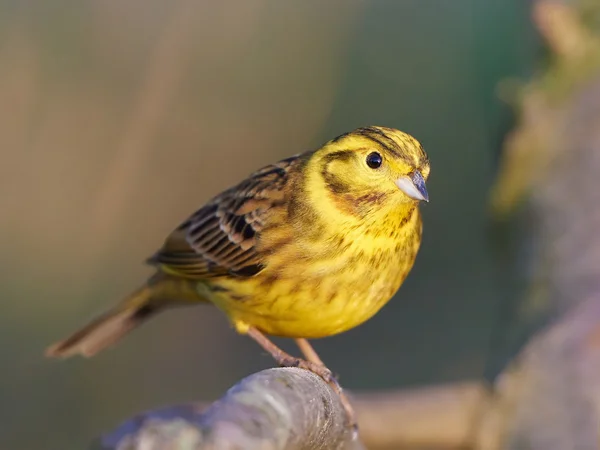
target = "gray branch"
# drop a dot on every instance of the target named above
(273, 409)
(294, 409)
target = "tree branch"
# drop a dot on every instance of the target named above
(294, 409)
(284, 408)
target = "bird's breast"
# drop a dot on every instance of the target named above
(318, 289)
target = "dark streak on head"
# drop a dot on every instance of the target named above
(372, 197)
(387, 143)
(340, 155)
(359, 206)
(334, 184)
(381, 138)
(332, 181)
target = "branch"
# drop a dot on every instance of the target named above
(294, 409)
(273, 409)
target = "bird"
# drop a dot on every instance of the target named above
(308, 247)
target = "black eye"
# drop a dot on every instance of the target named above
(374, 160)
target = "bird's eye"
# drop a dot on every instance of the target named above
(374, 160)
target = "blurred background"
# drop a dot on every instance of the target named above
(118, 119)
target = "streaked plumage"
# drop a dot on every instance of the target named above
(307, 247)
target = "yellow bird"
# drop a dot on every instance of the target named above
(308, 247)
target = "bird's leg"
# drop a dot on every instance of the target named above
(311, 355)
(285, 359)
(313, 363)
(308, 351)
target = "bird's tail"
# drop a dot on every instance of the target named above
(110, 327)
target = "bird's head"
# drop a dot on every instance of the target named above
(372, 168)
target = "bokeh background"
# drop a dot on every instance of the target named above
(118, 119)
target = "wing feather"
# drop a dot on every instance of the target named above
(220, 238)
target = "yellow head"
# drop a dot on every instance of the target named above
(370, 170)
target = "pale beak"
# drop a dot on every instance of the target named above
(413, 185)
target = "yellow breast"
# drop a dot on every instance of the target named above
(315, 290)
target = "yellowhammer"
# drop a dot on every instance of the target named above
(308, 247)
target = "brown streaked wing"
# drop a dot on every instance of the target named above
(219, 239)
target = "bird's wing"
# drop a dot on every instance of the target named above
(220, 238)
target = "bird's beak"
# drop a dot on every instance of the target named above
(413, 185)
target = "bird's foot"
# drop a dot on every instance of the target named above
(318, 369)
(326, 374)
(286, 360)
